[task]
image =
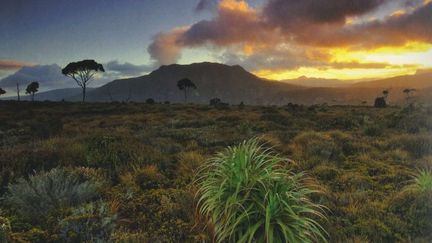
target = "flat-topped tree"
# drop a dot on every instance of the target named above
(185, 85)
(83, 72)
(32, 88)
(2, 91)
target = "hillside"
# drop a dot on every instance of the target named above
(419, 80)
(232, 84)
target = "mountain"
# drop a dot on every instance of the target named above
(231, 84)
(419, 80)
(317, 82)
(48, 76)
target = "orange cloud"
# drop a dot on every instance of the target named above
(12, 65)
(311, 35)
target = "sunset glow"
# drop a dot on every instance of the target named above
(274, 39)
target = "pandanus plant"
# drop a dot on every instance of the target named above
(248, 195)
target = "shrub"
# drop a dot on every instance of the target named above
(188, 163)
(5, 229)
(215, 101)
(374, 130)
(45, 127)
(380, 102)
(421, 182)
(49, 192)
(315, 147)
(93, 222)
(149, 177)
(417, 145)
(150, 101)
(249, 196)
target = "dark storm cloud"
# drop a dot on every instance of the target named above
(297, 23)
(297, 13)
(206, 5)
(392, 31)
(127, 69)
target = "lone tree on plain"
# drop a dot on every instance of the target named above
(32, 88)
(82, 72)
(185, 85)
(2, 91)
(18, 91)
(407, 92)
(386, 93)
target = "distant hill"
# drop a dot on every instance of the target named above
(318, 82)
(419, 80)
(231, 84)
(67, 94)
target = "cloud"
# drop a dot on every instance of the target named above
(51, 77)
(292, 33)
(294, 14)
(127, 69)
(395, 30)
(165, 48)
(48, 76)
(206, 5)
(12, 65)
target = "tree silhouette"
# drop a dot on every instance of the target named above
(408, 92)
(32, 88)
(82, 72)
(386, 93)
(18, 91)
(185, 85)
(380, 102)
(2, 91)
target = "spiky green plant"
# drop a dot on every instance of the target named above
(421, 182)
(249, 195)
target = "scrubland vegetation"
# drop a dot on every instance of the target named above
(126, 172)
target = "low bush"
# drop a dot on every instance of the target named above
(93, 222)
(49, 192)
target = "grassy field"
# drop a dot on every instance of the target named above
(136, 164)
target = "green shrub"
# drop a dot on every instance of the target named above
(49, 192)
(249, 196)
(93, 222)
(421, 182)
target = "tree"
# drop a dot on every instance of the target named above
(18, 91)
(185, 85)
(380, 102)
(386, 93)
(215, 101)
(408, 92)
(32, 88)
(2, 91)
(82, 72)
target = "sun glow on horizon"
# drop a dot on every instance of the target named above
(345, 64)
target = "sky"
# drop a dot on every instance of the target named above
(274, 39)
